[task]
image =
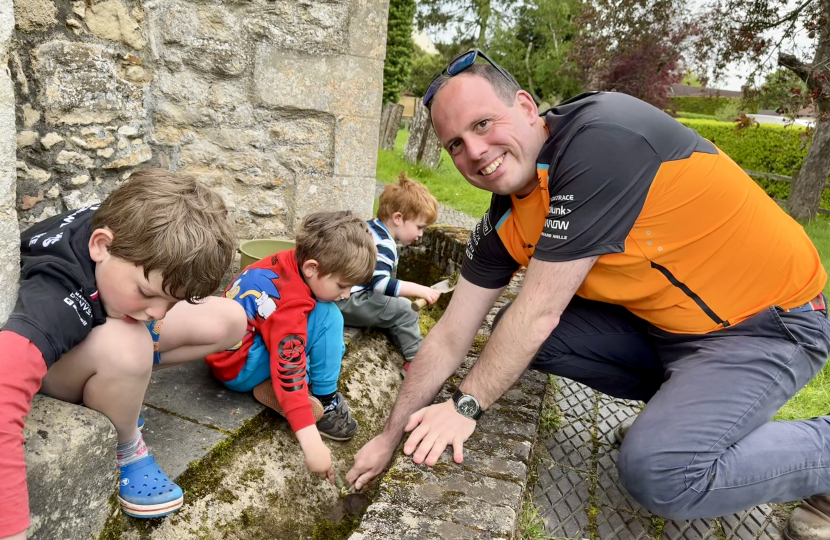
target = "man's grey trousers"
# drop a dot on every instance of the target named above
(704, 445)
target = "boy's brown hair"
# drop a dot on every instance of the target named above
(341, 244)
(409, 198)
(172, 223)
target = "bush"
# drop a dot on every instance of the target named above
(729, 111)
(709, 104)
(765, 148)
(695, 116)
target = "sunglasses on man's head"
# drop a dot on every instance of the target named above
(460, 64)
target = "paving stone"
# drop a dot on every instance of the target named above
(175, 442)
(190, 390)
(576, 458)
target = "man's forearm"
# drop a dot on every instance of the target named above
(548, 288)
(510, 350)
(438, 358)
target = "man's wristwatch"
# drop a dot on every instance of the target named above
(467, 405)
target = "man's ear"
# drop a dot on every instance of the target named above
(310, 268)
(527, 105)
(99, 244)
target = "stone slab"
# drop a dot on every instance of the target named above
(175, 443)
(71, 469)
(568, 476)
(343, 85)
(191, 391)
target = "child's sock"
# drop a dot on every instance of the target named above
(329, 401)
(132, 451)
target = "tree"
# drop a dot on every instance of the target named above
(632, 46)
(735, 30)
(425, 67)
(784, 92)
(470, 18)
(535, 49)
(399, 48)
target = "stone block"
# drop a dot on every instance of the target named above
(390, 120)
(343, 85)
(313, 26)
(353, 193)
(422, 146)
(367, 28)
(9, 231)
(79, 85)
(111, 20)
(35, 15)
(71, 470)
(206, 38)
(355, 146)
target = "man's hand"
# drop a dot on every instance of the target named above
(434, 428)
(429, 294)
(370, 461)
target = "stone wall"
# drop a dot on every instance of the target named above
(273, 103)
(9, 235)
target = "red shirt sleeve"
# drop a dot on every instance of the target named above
(284, 334)
(23, 369)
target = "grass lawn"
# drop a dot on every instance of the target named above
(445, 183)
(450, 188)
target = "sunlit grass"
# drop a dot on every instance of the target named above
(445, 183)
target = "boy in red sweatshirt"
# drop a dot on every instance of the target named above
(92, 281)
(294, 342)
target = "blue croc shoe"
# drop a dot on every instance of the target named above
(140, 421)
(145, 491)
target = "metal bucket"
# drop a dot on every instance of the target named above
(254, 250)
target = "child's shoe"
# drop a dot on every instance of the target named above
(264, 393)
(140, 421)
(405, 368)
(145, 491)
(337, 423)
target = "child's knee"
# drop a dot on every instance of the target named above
(232, 322)
(328, 315)
(125, 347)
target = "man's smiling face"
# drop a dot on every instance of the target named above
(494, 146)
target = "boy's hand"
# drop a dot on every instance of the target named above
(429, 294)
(317, 454)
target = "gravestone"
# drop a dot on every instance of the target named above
(390, 120)
(422, 145)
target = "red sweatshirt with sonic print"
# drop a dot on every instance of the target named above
(277, 302)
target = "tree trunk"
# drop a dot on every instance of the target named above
(805, 194)
(483, 9)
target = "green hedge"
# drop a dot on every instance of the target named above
(708, 105)
(766, 148)
(699, 104)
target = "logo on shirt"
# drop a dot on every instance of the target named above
(76, 301)
(71, 217)
(486, 227)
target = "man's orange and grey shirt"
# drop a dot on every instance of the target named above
(685, 239)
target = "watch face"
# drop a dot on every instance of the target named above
(468, 406)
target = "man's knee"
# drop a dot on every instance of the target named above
(655, 478)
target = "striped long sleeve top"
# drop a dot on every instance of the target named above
(387, 261)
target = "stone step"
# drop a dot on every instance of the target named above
(71, 472)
